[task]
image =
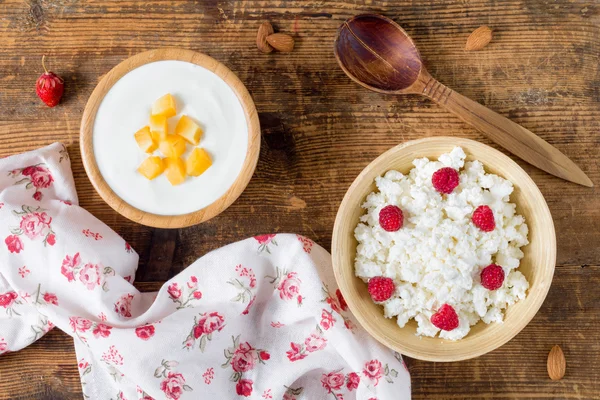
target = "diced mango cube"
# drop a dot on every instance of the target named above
(164, 106)
(197, 162)
(152, 167)
(145, 141)
(172, 146)
(189, 130)
(175, 171)
(158, 127)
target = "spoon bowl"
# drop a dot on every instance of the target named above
(378, 54)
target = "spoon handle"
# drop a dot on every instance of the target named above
(513, 137)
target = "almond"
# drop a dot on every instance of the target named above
(281, 42)
(556, 363)
(264, 30)
(479, 38)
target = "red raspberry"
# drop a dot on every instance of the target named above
(445, 180)
(445, 319)
(483, 218)
(492, 277)
(381, 288)
(391, 218)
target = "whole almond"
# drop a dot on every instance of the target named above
(479, 38)
(557, 364)
(265, 29)
(281, 42)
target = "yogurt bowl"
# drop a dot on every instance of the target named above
(537, 265)
(204, 90)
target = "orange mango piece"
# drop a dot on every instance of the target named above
(189, 130)
(198, 162)
(152, 167)
(164, 106)
(175, 170)
(145, 141)
(172, 146)
(158, 127)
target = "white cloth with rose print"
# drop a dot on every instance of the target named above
(260, 319)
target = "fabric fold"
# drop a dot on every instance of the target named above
(261, 318)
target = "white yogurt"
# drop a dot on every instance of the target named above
(200, 94)
(438, 255)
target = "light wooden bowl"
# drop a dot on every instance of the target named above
(537, 265)
(168, 221)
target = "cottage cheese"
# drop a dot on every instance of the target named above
(438, 255)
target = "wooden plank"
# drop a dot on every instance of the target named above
(319, 131)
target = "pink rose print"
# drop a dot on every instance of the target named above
(101, 330)
(123, 305)
(296, 353)
(51, 239)
(112, 356)
(306, 243)
(174, 291)
(245, 290)
(243, 358)
(8, 299)
(315, 342)
(50, 298)
(204, 327)
(182, 296)
(267, 394)
(68, 266)
(332, 381)
(341, 300)
(173, 383)
(79, 324)
(352, 381)
(208, 376)
(41, 177)
(24, 271)
(88, 233)
(264, 241)
(327, 320)
(128, 248)
(90, 276)
(35, 225)
(373, 370)
(145, 332)
(276, 324)
(102, 317)
(35, 176)
(244, 387)
(288, 285)
(14, 244)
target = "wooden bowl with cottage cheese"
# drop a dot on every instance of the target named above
(537, 264)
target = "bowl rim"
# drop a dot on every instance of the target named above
(134, 213)
(338, 257)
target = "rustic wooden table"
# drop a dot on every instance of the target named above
(319, 130)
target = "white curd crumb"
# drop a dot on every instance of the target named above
(437, 256)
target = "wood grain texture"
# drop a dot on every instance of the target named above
(537, 265)
(319, 130)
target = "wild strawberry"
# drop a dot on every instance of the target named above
(445, 319)
(391, 218)
(492, 277)
(483, 218)
(49, 87)
(445, 180)
(381, 288)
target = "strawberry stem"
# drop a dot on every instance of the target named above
(43, 64)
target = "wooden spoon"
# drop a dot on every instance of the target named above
(378, 54)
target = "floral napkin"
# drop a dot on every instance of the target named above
(260, 319)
